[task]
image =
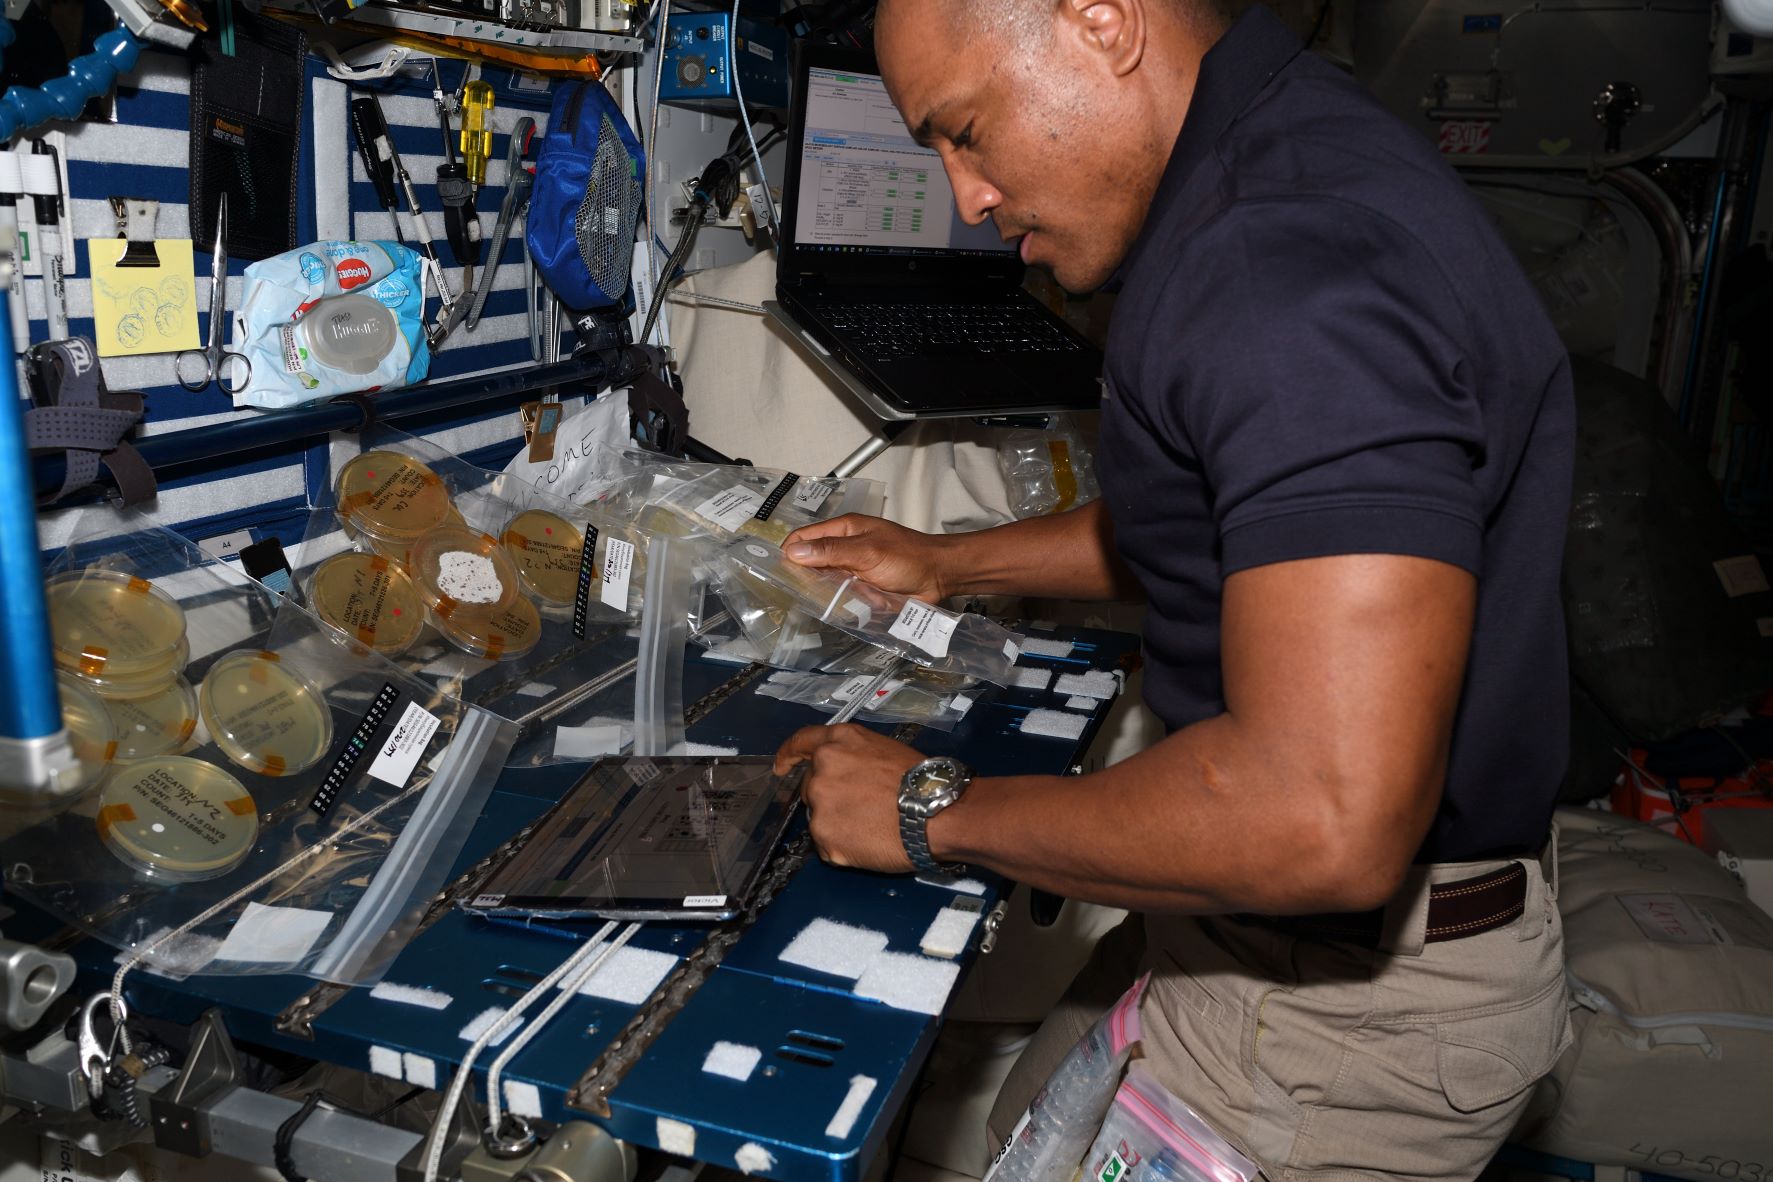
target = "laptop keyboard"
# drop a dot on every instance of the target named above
(882, 331)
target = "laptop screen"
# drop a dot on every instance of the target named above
(866, 187)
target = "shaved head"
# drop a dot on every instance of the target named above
(1027, 23)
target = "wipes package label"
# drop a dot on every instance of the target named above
(331, 318)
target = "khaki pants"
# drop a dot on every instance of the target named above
(1325, 1060)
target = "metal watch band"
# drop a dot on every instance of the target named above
(914, 833)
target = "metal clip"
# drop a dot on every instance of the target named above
(95, 1058)
(993, 921)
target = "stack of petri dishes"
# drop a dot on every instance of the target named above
(418, 559)
(119, 640)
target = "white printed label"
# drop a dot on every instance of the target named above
(618, 569)
(292, 352)
(762, 51)
(852, 689)
(400, 753)
(880, 658)
(488, 901)
(535, 689)
(811, 494)
(226, 547)
(704, 900)
(1004, 1149)
(960, 704)
(1011, 651)
(1668, 919)
(730, 509)
(929, 628)
(644, 771)
(1741, 575)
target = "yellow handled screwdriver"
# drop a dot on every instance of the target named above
(477, 136)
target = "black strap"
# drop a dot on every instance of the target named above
(73, 413)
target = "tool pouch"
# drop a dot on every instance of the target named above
(587, 196)
(246, 117)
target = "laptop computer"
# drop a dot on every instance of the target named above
(877, 269)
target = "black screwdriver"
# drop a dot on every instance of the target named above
(461, 223)
(370, 125)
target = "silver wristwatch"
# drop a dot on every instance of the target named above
(926, 790)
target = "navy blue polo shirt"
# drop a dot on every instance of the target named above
(1322, 346)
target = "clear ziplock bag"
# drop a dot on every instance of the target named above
(726, 500)
(1150, 1134)
(301, 822)
(498, 593)
(1047, 471)
(897, 699)
(1066, 1114)
(964, 644)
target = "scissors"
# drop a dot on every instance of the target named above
(197, 368)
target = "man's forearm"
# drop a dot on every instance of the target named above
(1202, 823)
(1066, 556)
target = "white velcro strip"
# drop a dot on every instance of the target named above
(421, 1072)
(676, 1137)
(835, 948)
(411, 995)
(907, 981)
(1097, 683)
(483, 1022)
(753, 1158)
(1054, 724)
(629, 975)
(844, 1119)
(523, 1099)
(949, 932)
(1035, 646)
(733, 1060)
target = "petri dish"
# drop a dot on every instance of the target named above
(90, 733)
(391, 496)
(144, 683)
(546, 548)
(398, 548)
(368, 597)
(104, 623)
(160, 723)
(503, 635)
(263, 715)
(177, 819)
(462, 571)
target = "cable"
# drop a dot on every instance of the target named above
(732, 69)
(569, 989)
(687, 239)
(652, 144)
(440, 1130)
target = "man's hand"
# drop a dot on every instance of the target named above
(852, 793)
(877, 551)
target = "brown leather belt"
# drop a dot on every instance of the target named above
(1456, 910)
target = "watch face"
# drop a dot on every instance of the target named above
(934, 781)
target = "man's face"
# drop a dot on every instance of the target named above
(1037, 137)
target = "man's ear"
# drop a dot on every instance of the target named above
(1115, 29)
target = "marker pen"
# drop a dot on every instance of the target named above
(43, 181)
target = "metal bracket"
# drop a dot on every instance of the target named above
(211, 1068)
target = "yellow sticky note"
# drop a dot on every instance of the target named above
(140, 310)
